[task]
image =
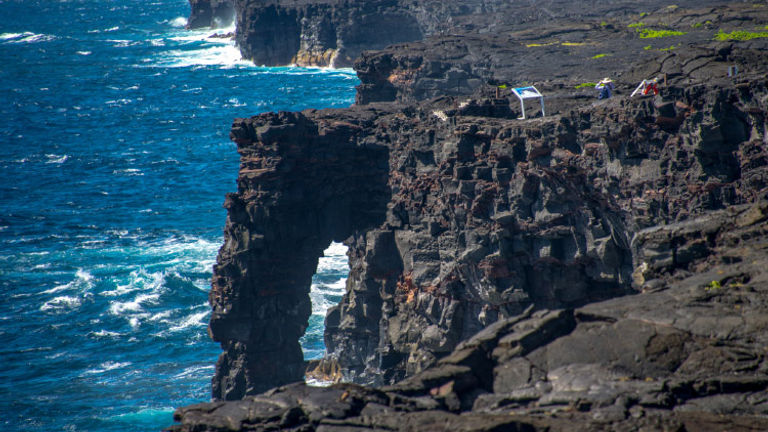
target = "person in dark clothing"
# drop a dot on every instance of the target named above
(604, 88)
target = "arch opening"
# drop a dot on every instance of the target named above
(328, 286)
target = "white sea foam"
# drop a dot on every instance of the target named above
(25, 37)
(334, 259)
(122, 43)
(82, 283)
(83, 53)
(194, 371)
(105, 334)
(235, 102)
(177, 22)
(200, 35)
(56, 159)
(323, 295)
(134, 322)
(194, 320)
(128, 172)
(61, 304)
(195, 48)
(225, 55)
(161, 316)
(119, 102)
(7, 36)
(107, 366)
(134, 305)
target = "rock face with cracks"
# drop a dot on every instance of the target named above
(603, 266)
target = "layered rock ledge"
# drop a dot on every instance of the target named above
(335, 32)
(602, 266)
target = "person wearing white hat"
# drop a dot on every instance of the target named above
(605, 88)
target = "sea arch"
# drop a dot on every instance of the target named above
(302, 184)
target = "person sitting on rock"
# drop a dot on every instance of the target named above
(651, 87)
(647, 87)
(605, 88)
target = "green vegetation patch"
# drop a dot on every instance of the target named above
(647, 47)
(531, 45)
(599, 56)
(739, 35)
(637, 25)
(667, 49)
(712, 286)
(585, 85)
(646, 33)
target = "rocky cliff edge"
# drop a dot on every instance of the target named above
(602, 266)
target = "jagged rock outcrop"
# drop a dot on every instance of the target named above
(336, 32)
(601, 266)
(467, 220)
(687, 355)
(319, 33)
(570, 50)
(299, 188)
(211, 13)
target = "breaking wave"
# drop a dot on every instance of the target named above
(25, 37)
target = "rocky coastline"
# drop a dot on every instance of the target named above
(600, 268)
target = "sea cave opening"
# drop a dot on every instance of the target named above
(328, 286)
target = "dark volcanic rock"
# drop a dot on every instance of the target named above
(569, 51)
(211, 13)
(601, 268)
(335, 32)
(278, 224)
(464, 221)
(319, 32)
(688, 356)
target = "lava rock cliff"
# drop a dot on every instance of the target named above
(603, 266)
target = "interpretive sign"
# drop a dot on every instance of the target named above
(524, 93)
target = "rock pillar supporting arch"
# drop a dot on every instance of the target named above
(302, 184)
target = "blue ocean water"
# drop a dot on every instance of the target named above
(114, 162)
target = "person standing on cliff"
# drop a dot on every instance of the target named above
(604, 88)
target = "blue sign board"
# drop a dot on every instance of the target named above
(531, 92)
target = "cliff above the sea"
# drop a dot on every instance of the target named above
(600, 266)
(336, 32)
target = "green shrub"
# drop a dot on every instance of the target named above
(714, 285)
(739, 35)
(585, 85)
(667, 49)
(599, 56)
(637, 25)
(646, 33)
(647, 47)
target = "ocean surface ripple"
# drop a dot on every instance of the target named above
(114, 162)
